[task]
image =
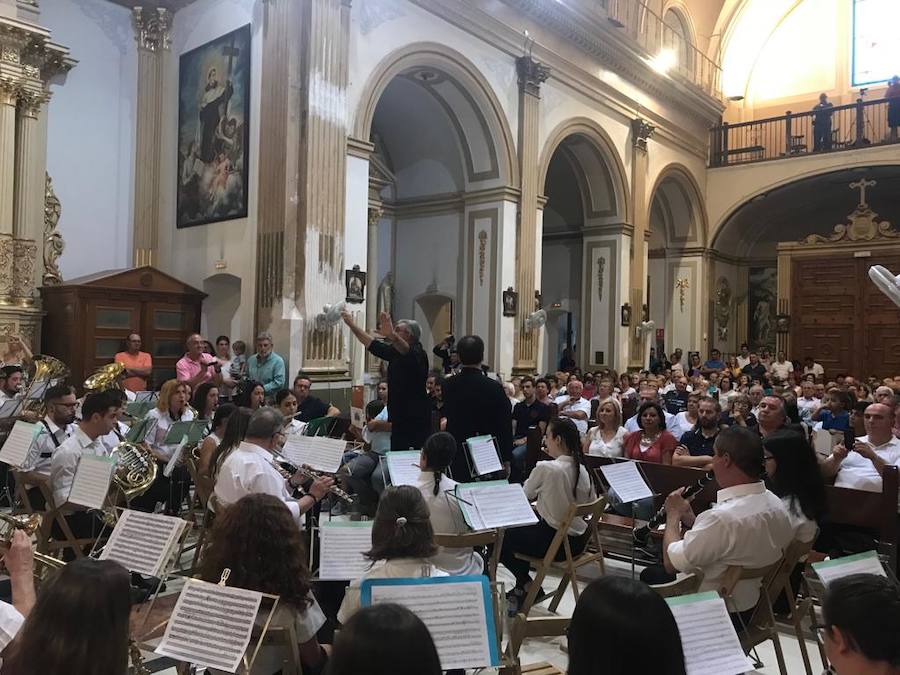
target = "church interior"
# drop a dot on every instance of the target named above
(585, 185)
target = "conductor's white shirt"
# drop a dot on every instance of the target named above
(249, 470)
(748, 526)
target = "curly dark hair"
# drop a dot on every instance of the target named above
(259, 541)
(392, 537)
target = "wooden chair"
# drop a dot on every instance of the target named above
(492, 538)
(684, 586)
(522, 628)
(592, 513)
(781, 584)
(203, 491)
(761, 626)
(54, 546)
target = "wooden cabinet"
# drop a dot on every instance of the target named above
(87, 319)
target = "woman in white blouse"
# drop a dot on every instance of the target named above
(556, 485)
(605, 439)
(446, 516)
(687, 419)
(792, 473)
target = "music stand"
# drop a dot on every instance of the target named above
(470, 462)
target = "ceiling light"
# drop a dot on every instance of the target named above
(664, 61)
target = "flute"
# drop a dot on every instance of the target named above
(641, 533)
(286, 469)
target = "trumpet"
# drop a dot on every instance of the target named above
(286, 469)
(29, 524)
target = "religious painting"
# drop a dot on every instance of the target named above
(510, 302)
(214, 130)
(761, 302)
(356, 283)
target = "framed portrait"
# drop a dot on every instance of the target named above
(214, 130)
(510, 302)
(626, 315)
(355, 281)
(782, 323)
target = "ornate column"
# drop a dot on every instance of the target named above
(318, 257)
(531, 75)
(7, 152)
(641, 131)
(28, 202)
(152, 31)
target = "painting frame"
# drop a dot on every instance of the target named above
(510, 302)
(213, 143)
(355, 284)
(762, 300)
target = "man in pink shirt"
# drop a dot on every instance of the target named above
(195, 367)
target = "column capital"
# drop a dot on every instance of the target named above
(641, 131)
(531, 74)
(152, 27)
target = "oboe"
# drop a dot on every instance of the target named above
(641, 533)
(287, 470)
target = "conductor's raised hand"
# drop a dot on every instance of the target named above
(386, 326)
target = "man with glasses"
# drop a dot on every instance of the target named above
(55, 428)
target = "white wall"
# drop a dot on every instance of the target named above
(90, 135)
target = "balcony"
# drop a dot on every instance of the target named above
(853, 126)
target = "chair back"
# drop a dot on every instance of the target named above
(522, 628)
(204, 484)
(492, 538)
(684, 586)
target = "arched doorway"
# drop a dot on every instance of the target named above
(583, 248)
(220, 309)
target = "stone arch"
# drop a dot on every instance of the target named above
(605, 151)
(676, 16)
(424, 55)
(679, 192)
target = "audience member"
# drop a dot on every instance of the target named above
(223, 356)
(714, 364)
(653, 442)
(265, 366)
(676, 400)
(138, 364)
(573, 406)
(607, 438)
(810, 367)
(685, 421)
(196, 366)
(527, 414)
(739, 413)
(755, 370)
(696, 446)
(310, 407)
(649, 394)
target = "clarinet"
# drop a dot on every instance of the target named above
(641, 533)
(287, 470)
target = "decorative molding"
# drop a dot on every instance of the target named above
(682, 285)
(24, 257)
(601, 266)
(482, 246)
(723, 307)
(641, 131)
(152, 28)
(357, 147)
(531, 75)
(6, 268)
(374, 214)
(863, 224)
(54, 245)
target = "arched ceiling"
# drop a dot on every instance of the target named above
(673, 219)
(810, 206)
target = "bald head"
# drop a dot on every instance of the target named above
(878, 421)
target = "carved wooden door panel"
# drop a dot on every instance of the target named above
(880, 321)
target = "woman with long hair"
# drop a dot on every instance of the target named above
(251, 394)
(607, 437)
(602, 638)
(402, 544)
(446, 517)
(258, 539)
(652, 442)
(214, 437)
(205, 400)
(792, 473)
(556, 485)
(235, 431)
(79, 624)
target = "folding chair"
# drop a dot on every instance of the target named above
(592, 513)
(794, 553)
(492, 538)
(203, 491)
(684, 586)
(761, 626)
(522, 628)
(52, 546)
(283, 633)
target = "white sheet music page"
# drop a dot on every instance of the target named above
(175, 458)
(21, 437)
(91, 482)
(861, 563)
(627, 481)
(503, 506)
(454, 611)
(484, 455)
(343, 544)
(463, 496)
(708, 638)
(211, 625)
(143, 542)
(10, 408)
(318, 452)
(403, 466)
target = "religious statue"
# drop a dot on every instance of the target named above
(386, 294)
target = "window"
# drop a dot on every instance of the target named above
(876, 48)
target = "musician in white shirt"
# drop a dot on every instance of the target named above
(250, 469)
(748, 526)
(860, 467)
(11, 379)
(446, 516)
(55, 428)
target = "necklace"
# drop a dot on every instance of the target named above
(649, 439)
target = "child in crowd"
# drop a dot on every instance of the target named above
(239, 362)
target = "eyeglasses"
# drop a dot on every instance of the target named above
(767, 458)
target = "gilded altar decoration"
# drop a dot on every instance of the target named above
(722, 307)
(53, 241)
(6, 268)
(482, 249)
(24, 257)
(152, 27)
(601, 265)
(682, 285)
(862, 225)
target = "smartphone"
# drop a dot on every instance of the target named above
(849, 439)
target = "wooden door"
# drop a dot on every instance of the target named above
(165, 327)
(108, 323)
(841, 319)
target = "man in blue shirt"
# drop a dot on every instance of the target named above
(265, 366)
(715, 364)
(695, 448)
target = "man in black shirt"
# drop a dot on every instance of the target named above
(526, 414)
(676, 400)
(696, 446)
(308, 406)
(476, 405)
(409, 410)
(755, 369)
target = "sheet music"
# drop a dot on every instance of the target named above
(143, 542)
(343, 544)
(708, 638)
(484, 455)
(91, 482)
(38, 389)
(463, 496)
(177, 432)
(824, 441)
(503, 506)
(175, 458)
(403, 466)
(18, 444)
(211, 625)
(456, 611)
(357, 417)
(318, 452)
(627, 481)
(10, 408)
(861, 563)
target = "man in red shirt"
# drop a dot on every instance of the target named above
(138, 364)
